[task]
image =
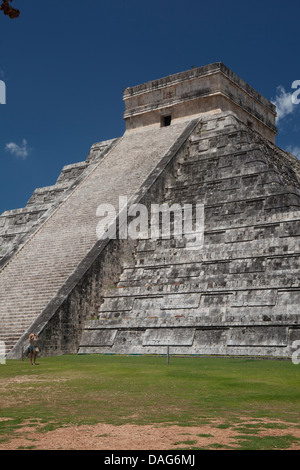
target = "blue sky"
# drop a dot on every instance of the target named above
(65, 64)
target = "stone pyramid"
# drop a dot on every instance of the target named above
(201, 136)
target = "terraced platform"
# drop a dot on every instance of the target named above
(237, 295)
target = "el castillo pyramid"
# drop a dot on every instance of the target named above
(200, 136)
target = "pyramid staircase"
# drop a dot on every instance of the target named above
(32, 280)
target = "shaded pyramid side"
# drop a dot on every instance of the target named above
(240, 293)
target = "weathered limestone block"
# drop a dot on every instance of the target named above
(98, 337)
(169, 337)
(259, 336)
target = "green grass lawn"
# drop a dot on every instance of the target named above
(69, 390)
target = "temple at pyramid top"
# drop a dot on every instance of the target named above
(210, 89)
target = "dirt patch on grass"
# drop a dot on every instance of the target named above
(215, 435)
(21, 379)
(11, 388)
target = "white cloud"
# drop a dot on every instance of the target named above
(294, 150)
(17, 150)
(284, 103)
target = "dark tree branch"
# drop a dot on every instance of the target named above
(8, 9)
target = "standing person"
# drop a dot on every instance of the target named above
(32, 347)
